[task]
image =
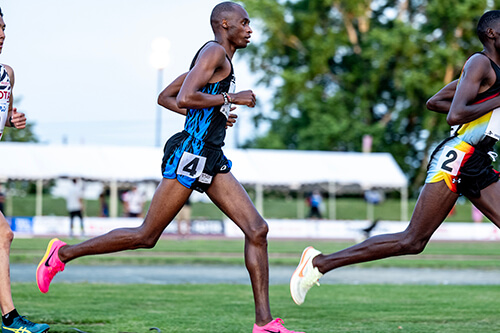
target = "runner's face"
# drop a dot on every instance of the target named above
(495, 30)
(239, 31)
(2, 33)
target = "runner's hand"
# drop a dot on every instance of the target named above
(246, 97)
(231, 119)
(18, 119)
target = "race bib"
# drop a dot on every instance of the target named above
(451, 160)
(191, 165)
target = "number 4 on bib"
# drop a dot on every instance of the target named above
(191, 165)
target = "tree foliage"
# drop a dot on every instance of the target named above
(25, 135)
(341, 69)
(17, 135)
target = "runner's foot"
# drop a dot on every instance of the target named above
(275, 326)
(305, 276)
(50, 265)
(23, 325)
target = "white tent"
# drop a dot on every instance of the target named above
(37, 161)
(289, 168)
(298, 169)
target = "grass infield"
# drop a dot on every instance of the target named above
(97, 308)
(346, 208)
(452, 255)
(101, 308)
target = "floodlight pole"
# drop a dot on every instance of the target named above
(158, 108)
(159, 59)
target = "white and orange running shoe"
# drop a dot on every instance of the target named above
(305, 276)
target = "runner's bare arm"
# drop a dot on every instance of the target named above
(210, 63)
(14, 119)
(167, 97)
(441, 101)
(476, 72)
(210, 60)
(10, 72)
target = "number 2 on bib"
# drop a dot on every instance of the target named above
(191, 165)
(451, 160)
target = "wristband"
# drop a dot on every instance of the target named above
(11, 123)
(229, 98)
(226, 98)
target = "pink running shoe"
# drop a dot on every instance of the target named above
(275, 326)
(50, 265)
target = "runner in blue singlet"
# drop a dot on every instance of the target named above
(193, 159)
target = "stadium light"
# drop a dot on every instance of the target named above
(159, 59)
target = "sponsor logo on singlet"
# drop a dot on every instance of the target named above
(4, 94)
(4, 97)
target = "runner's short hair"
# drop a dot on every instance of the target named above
(487, 21)
(219, 12)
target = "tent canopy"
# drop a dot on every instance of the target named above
(294, 168)
(291, 168)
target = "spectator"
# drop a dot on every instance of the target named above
(74, 205)
(133, 202)
(104, 208)
(374, 197)
(315, 201)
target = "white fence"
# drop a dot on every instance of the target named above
(315, 229)
(353, 230)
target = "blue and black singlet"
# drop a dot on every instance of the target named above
(209, 124)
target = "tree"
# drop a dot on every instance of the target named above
(345, 68)
(25, 135)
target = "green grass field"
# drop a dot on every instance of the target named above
(456, 255)
(98, 308)
(347, 208)
(102, 308)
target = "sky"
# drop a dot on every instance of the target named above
(83, 73)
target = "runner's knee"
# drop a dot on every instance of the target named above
(411, 245)
(258, 232)
(6, 238)
(138, 238)
(147, 240)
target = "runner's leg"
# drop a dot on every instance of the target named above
(168, 199)
(489, 202)
(228, 194)
(433, 205)
(6, 303)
